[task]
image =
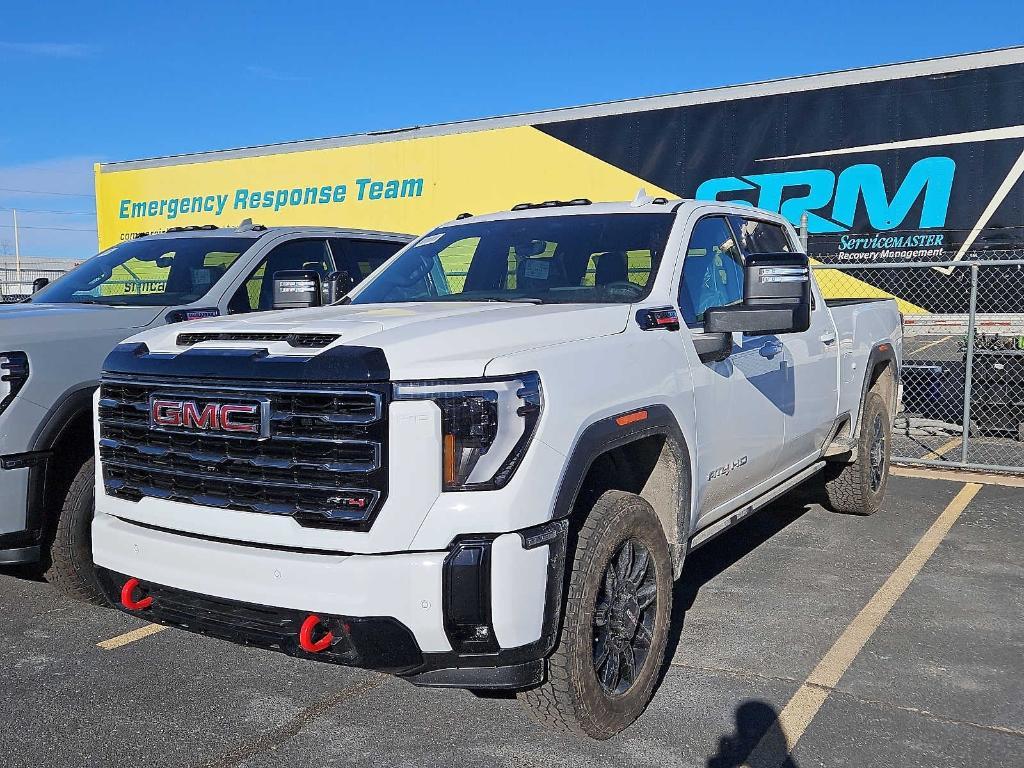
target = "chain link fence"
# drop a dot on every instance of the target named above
(16, 285)
(962, 394)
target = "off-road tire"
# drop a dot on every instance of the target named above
(572, 698)
(71, 568)
(857, 488)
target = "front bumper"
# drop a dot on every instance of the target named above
(19, 542)
(371, 642)
(426, 616)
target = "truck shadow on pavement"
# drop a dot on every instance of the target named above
(24, 572)
(753, 718)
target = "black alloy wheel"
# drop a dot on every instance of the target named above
(624, 618)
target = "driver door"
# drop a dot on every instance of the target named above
(740, 401)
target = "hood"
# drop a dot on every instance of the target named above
(25, 323)
(428, 340)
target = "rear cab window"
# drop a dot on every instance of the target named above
(361, 257)
(759, 236)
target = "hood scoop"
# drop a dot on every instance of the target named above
(299, 340)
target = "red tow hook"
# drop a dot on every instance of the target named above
(306, 636)
(127, 599)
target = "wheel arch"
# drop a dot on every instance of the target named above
(882, 375)
(641, 451)
(66, 436)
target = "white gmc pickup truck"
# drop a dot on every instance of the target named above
(485, 466)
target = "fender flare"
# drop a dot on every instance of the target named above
(882, 352)
(607, 434)
(73, 403)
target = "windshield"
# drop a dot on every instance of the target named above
(148, 272)
(583, 258)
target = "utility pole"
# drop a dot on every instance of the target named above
(17, 247)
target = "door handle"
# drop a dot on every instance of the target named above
(770, 349)
(827, 338)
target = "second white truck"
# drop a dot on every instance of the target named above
(485, 468)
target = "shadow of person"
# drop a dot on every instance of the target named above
(754, 722)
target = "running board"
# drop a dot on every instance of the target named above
(705, 535)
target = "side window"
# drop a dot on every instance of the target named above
(712, 270)
(360, 257)
(760, 236)
(256, 294)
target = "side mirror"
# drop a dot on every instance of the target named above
(296, 289)
(776, 297)
(39, 283)
(338, 284)
(712, 347)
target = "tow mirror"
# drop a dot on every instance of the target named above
(338, 284)
(776, 298)
(39, 283)
(296, 289)
(712, 347)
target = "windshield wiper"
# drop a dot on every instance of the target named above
(514, 300)
(97, 301)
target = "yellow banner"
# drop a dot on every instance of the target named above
(402, 186)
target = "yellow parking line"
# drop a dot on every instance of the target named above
(801, 710)
(919, 350)
(939, 452)
(985, 478)
(130, 637)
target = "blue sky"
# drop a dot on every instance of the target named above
(86, 82)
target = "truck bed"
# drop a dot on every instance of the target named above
(847, 302)
(862, 324)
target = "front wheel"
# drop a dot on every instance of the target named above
(71, 568)
(602, 673)
(858, 488)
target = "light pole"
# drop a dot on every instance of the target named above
(17, 247)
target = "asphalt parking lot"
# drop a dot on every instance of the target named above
(801, 638)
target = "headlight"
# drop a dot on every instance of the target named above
(486, 426)
(13, 374)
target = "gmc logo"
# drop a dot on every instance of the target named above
(171, 414)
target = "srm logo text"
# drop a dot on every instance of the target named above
(930, 178)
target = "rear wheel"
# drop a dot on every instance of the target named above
(71, 568)
(858, 488)
(602, 674)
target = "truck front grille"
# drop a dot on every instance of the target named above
(320, 458)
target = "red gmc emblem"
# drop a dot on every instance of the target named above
(188, 415)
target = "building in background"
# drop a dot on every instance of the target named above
(17, 275)
(919, 161)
